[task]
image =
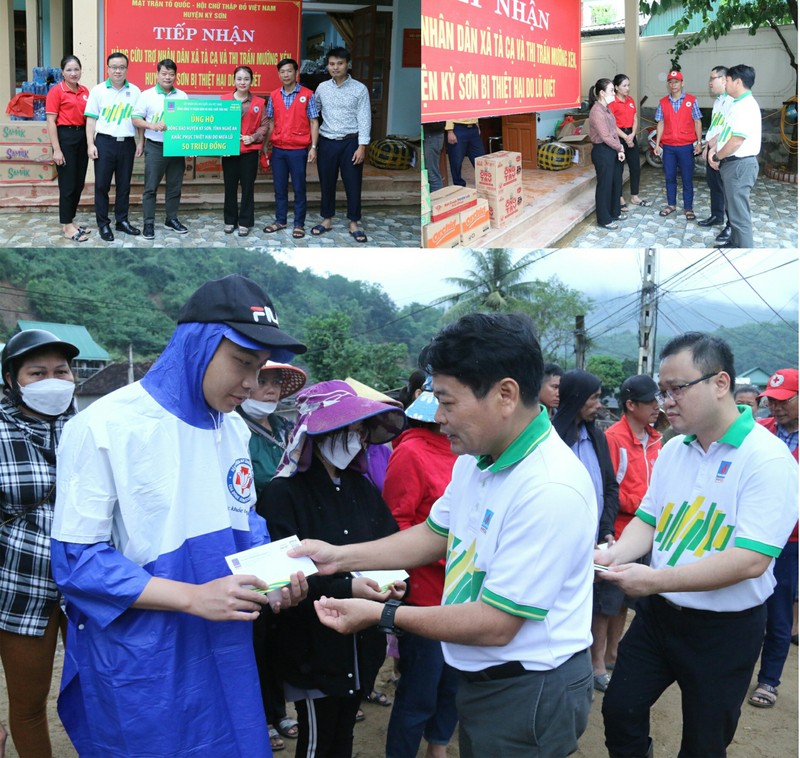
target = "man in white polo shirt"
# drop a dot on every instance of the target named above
(112, 144)
(738, 144)
(516, 526)
(721, 504)
(149, 116)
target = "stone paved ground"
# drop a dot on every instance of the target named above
(384, 227)
(773, 205)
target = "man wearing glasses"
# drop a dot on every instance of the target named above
(721, 504)
(719, 115)
(112, 144)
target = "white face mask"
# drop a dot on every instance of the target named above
(50, 397)
(258, 408)
(337, 455)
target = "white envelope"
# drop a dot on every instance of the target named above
(270, 563)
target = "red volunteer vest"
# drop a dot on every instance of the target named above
(292, 130)
(251, 121)
(678, 127)
(772, 425)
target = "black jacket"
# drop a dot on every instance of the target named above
(306, 653)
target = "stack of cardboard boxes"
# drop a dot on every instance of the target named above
(459, 216)
(25, 152)
(498, 177)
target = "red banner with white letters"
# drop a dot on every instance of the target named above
(206, 39)
(499, 57)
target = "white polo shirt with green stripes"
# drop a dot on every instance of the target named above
(742, 492)
(520, 537)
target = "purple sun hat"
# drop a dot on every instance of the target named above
(332, 405)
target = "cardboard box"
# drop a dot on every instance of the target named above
(451, 200)
(504, 207)
(21, 152)
(425, 202)
(445, 233)
(425, 218)
(24, 131)
(207, 167)
(498, 170)
(11, 171)
(582, 154)
(475, 222)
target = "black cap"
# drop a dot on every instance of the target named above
(640, 389)
(241, 304)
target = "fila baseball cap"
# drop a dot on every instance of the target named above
(781, 385)
(242, 305)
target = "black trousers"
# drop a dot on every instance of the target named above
(156, 166)
(710, 655)
(326, 726)
(72, 175)
(714, 182)
(335, 157)
(609, 183)
(240, 170)
(114, 158)
(633, 159)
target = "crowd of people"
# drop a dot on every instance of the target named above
(485, 491)
(729, 149)
(115, 122)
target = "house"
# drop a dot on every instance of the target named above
(109, 378)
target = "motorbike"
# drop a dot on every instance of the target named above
(655, 160)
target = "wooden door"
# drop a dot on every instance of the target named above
(372, 44)
(519, 135)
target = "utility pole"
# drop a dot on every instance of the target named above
(580, 342)
(648, 310)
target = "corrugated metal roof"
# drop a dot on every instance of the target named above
(77, 334)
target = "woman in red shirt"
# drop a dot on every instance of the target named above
(623, 106)
(242, 169)
(66, 126)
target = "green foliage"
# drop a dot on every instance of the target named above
(718, 18)
(337, 354)
(496, 284)
(609, 371)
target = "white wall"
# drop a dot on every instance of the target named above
(775, 78)
(403, 116)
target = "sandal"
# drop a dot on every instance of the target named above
(601, 682)
(83, 229)
(360, 715)
(272, 228)
(623, 208)
(288, 728)
(611, 227)
(228, 228)
(275, 741)
(298, 232)
(378, 698)
(358, 235)
(320, 229)
(243, 231)
(666, 210)
(689, 213)
(621, 217)
(642, 203)
(764, 696)
(79, 236)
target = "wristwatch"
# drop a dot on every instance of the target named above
(386, 624)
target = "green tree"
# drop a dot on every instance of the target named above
(497, 284)
(335, 354)
(608, 370)
(729, 13)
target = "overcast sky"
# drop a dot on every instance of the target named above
(418, 275)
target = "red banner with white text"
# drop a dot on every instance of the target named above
(499, 57)
(207, 40)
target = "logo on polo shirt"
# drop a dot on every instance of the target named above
(240, 479)
(722, 471)
(487, 519)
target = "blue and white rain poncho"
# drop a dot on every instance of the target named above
(153, 482)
